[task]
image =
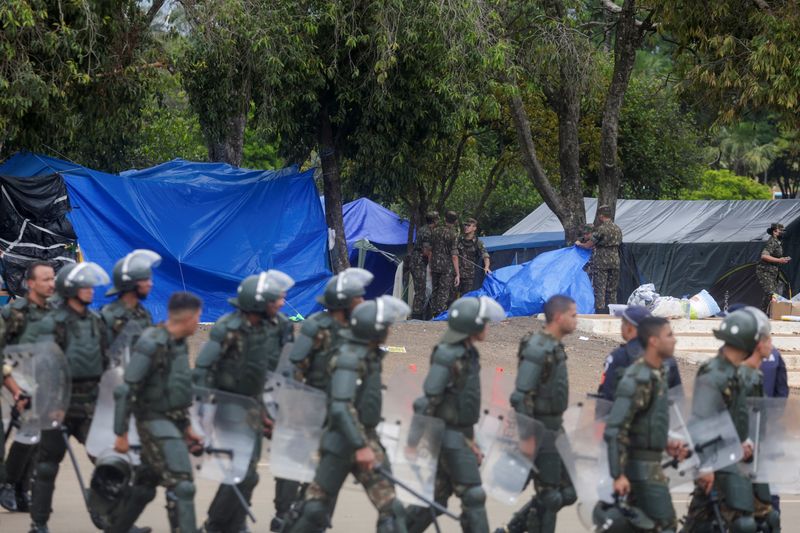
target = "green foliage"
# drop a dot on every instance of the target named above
(725, 185)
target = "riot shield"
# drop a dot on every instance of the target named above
(585, 410)
(229, 425)
(101, 436)
(497, 384)
(42, 371)
(412, 443)
(285, 367)
(507, 465)
(119, 353)
(775, 434)
(299, 414)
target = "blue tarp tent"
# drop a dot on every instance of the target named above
(520, 248)
(213, 224)
(523, 289)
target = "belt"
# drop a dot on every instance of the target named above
(645, 455)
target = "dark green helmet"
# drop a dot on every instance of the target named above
(469, 315)
(740, 329)
(256, 291)
(74, 276)
(620, 518)
(108, 487)
(370, 320)
(343, 287)
(136, 266)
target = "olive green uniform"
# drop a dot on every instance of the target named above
(82, 338)
(734, 489)
(354, 412)
(317, 341)
(636, 433)
(767, 273)
(117, 315)
(158, 392)
(236, 359)
(453, 393)
(471, 254)
(419, 270)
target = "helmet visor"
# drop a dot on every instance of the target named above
(353, 277)
(274, 281)
(140, 259)
(86, 275)
(489, 310)
(390, 309)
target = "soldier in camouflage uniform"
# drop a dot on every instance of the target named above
(420, 257)
(350, 442)
(605, 243)
(81, 335)
(721, 382)
(158, 392)
(19, 315)
(444, 263)
(767, 269)
(471, 252)
(453, 393)
(542, 392)
(767, 518)
(243, 346)
(637, 428)
(133, 281)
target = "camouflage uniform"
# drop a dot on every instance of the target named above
(158, 392)
(767, 273)
(444, 247)
(354, 412)
(735, 490)
(470, 252)
(319, 338)
(419, 270)
(607, 239)
(236, 359)
(117, 315)
(542, 392)
(636, 434)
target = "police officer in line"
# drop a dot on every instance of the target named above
(158, 392)
(132, 282)
(82, 337)
(19, 315)
(350, 443)
(542, 392)
(243, 346)
(625, 355)
(637, 431)
(453, 393)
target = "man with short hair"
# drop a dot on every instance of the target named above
(772, 257)
(625, 355)
(444, 263)
(158, 392)
(542, 393)
(605, 242)
(470, 251)
(133, 281)
(420, 257)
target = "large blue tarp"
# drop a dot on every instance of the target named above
(496, 243)
(213, 224)
(523, 289)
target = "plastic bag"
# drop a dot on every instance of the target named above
(703, 305)
(645, 295)
(668, 307)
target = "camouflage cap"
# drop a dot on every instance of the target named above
(604, 210)
(470, 221)
(773, 227)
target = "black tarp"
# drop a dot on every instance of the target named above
(33, 226)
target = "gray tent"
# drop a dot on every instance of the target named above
(686, 246)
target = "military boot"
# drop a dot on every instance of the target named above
(8, 499)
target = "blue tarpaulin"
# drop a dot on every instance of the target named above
(213, 224)
(523, 289)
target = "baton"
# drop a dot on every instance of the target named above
(714, 498)
(437, 506)
(229, 452)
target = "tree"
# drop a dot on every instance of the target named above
(725, 185)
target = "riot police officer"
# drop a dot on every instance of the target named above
(81, 335)
(350, 442)
(453, 393)
(243, 346)
(158, 392)
(133, 280)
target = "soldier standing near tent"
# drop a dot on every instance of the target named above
(158, 392)
(444, 263)
(542, 393)
(133, 280)
(471, 251)
(605, 243)
(767, 268)
(19, 315)
(81, 335)
(420, 257)
(243, 346)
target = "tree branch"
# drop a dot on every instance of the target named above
(763, 5)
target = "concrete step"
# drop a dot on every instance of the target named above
(792, 359)
(706, 341)
(609, 326)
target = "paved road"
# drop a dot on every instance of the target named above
(353, 514)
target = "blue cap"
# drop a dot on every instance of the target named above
(635, 314)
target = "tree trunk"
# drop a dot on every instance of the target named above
(332, 188)
(230, 147)
(627, 41)
(568, 110)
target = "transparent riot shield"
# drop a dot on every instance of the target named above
(42, 371)
(229, 425)
(412, 443)
(775, 434)
(585, 410)
(101, 433)
(299, 412)
(681, 473)
(119, 353)
(508, 463)
(497, 384)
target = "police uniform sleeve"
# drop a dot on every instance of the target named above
(781, 380)
(135, 377)
(673, 374)
(532, 359)
(608, 381)
(202, 376)
(629, 398)
(343, 387)
(439, 376)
